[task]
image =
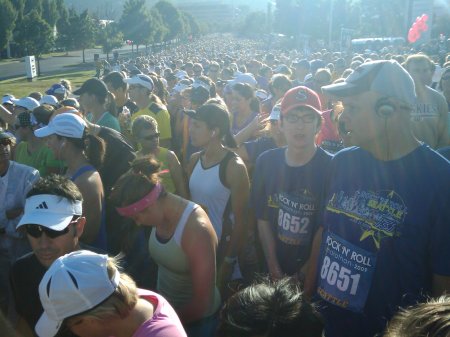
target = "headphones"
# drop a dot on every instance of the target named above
(384, 108)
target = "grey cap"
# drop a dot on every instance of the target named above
(388, 78)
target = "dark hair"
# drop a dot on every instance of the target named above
(159, 89)
(58, 185)
(246, 91)
(116, 79)
(280, 81)
(270, 309)
(217, 116)
(94, 147)
(137, 182)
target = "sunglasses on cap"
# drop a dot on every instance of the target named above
(150, 137)
(36, 231)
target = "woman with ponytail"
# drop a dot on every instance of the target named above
(98, 103)
(83, 154)
(182, 243)
(218, 181)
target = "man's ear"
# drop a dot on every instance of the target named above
(79, 226)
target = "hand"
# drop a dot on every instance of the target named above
(13, 213)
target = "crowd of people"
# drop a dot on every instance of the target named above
(220, 189)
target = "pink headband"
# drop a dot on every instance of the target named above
(142, 204)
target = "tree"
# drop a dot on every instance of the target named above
(171, 18)
(109, 37)
(159, 30)
(50, 12)
(135, 23)
(64, 38)
(34, 35)
(193, 25)
(8, 15)
(255, 23)
(83, 31)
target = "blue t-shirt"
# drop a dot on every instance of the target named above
(386, 231)
(259, 145)
(289, 198)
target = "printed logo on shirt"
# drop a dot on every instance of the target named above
(423, 111)
(295, 214)
(378, 214)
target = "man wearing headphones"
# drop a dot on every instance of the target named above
(386, 222)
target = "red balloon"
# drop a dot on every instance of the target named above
(424, 27)
(421, 26)
(425, 17)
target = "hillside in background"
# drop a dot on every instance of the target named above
(112, 9)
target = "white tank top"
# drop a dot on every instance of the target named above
(208, 191)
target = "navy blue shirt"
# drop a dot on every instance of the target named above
(386, 230)
(256, 147)
(289, 198)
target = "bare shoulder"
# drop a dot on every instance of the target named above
(236, 165)
(199, 227)
(89, 179)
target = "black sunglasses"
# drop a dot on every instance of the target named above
(151, 137)
(36, 231)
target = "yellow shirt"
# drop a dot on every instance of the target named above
(162, 117)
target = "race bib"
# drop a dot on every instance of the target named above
(346, 273)
(294, 217)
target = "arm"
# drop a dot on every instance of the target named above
(238, 180)
(177, 175)
(92, 190)
(258, 123)
(268, 246)
(199, 242)
(313, 261)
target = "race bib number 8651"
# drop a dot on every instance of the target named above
(346, 273)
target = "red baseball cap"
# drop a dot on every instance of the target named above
(298, 97)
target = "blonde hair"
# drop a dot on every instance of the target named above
(120, 303)
(431, 319)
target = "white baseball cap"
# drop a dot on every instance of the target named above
(51, 211)
(74, 283)
(245, 78)
(49, 99)
(65, 124)
(28, 103)
(141, 79)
